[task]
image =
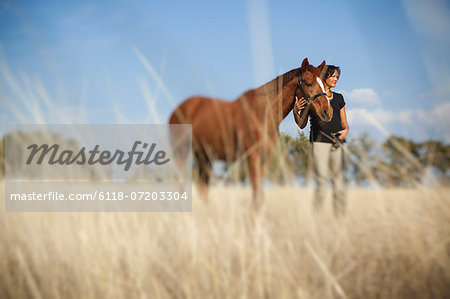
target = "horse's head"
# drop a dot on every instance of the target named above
(311, 87)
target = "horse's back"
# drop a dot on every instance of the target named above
(212, 123)
(199, 109)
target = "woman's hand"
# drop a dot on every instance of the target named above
(342, 134)
(344, 124)
(300, 112)
(300, 104)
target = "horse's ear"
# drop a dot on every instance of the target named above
(321, 67)
(305, 63)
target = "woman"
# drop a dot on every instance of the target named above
(327, 143)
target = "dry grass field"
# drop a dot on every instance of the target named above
(391, 244)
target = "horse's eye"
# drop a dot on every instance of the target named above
(308, 84)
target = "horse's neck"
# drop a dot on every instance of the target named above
(273, 88)
(273, 101)
(284, 102)
(279, 96)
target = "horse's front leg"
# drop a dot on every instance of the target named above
(256, 175)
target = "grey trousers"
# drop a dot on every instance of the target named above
(328, 163)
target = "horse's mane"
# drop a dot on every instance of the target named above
(273, 85)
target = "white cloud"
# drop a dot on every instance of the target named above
(386, 121)
(362, 96)
(439, 116)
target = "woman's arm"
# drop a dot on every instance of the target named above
(298, 106)
(344, 124)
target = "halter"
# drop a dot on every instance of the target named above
(307, 99)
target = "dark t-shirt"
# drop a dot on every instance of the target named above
(337, 102)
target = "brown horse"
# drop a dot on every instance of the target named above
(247, 128)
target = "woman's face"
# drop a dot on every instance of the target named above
(332, 80)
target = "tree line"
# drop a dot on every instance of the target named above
(397, 161)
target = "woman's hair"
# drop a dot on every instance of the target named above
(330, 71)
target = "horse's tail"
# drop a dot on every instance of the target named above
(180, 141)
(182, 114)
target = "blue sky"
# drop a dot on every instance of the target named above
(132, 62)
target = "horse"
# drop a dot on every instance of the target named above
(247, 128)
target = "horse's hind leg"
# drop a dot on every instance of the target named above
(255, 169)
(204, 174)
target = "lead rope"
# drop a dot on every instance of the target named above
(336, 141)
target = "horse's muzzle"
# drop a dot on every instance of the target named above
(326, 114)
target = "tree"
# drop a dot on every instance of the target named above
(362, 156)
(290, 158)
(435, 154)
(402, 165)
